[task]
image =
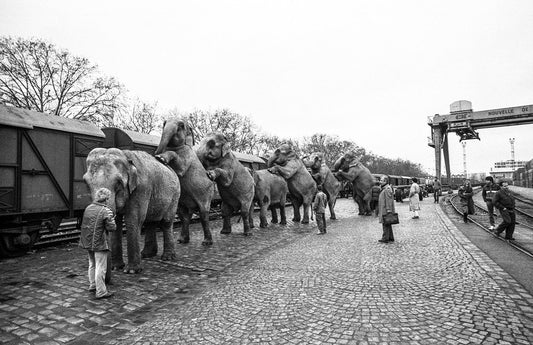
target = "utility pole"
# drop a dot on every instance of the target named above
(511, 140)
(464, 159)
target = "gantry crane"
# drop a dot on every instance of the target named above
(465, 123)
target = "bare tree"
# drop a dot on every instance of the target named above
(38, 76)
(331, 146)
(139, 116)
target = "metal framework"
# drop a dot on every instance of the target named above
(465, 123)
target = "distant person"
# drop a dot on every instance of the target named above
(398, 195)
(437, 187)
(465, 194)
(98, 220)
(385, 205)
(414, 198)
(504, 202)
(319, 207)
(489, 190)
(376, 189)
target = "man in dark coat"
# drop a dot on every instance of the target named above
(489, 190)
(504, 202)
(98, 220)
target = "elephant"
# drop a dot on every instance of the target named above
(143, 190)
(234, 183)
(323, 175)
(302, 187)
(197, 190)
(347, 167)
(270, 192)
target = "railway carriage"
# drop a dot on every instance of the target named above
(42, 163)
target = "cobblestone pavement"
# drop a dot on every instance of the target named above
(284, 285)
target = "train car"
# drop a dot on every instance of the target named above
(42, 162)
(523, 177)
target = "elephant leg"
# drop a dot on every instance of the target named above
(204, 219)
(117, 260)
(274, 213)
(185, 217)
(133, 230)
(360, 205)
(251, 216)
(226, 214)
(150, 242)
(169, 251)
(307, 207)
(296, 206)
(282, 214)
(331, 205)
(263, 223)
(246, 210)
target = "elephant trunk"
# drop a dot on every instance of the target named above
(271, 160)
(166, 136)
(338, 164)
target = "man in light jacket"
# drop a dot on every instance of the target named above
(98, 220)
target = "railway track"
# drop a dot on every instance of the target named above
(523, 226)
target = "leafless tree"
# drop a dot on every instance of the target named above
(38, 76)
(138, 116)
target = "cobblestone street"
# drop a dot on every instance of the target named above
(284, 285)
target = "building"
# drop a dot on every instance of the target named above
(505, 169)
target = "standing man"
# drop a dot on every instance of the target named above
(436, 190)
(489, 190)
(97, 221)
(504, 201)
(465, 194)
(319, 207)
(385, 205)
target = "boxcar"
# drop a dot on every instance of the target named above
(42, 162)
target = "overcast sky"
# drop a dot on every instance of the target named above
(367, 71)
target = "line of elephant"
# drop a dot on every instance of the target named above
(147, 192)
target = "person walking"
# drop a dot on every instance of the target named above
(489, 190)
(385, 205)
(465, 194)
(376, 189)
(414, 198)
(98, 220)
(319, 207)
(504, 202)
(437, 186)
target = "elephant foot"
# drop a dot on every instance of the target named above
(183, 240)
(333, 217)
(247, 234)
(225, 231)
(263, 224)
(117, 267)
(132, 270)
(148, 253)
(297, 220)
(305, 221)
(207, 242)
(161, 159)
(168, 257)
(283, 222)
(274, 221)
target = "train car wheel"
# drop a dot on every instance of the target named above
(17, 245)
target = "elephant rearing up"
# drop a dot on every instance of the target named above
(323, 175)
(196, 188)
(348, 168)
(234, 182)
(301, 185)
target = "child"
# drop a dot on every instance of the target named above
(319, 207)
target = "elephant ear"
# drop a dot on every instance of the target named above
(226, 147)
(189, 135)
(132, 177)
(338, 164)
